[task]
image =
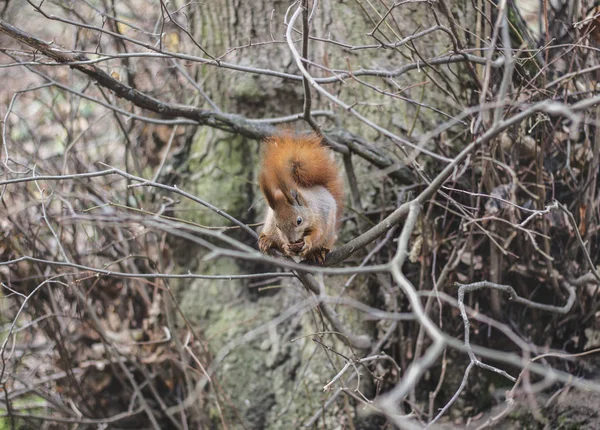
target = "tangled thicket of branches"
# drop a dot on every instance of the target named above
(478, 245)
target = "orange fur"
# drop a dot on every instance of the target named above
(290, 161)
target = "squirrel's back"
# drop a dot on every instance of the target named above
(291, 161)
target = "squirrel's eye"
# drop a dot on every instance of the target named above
(299, 220)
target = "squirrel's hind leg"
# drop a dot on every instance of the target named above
(268, 238)
(265, 243)
(317, 256)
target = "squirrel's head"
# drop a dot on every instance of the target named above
(292, 216)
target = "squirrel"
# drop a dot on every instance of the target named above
(304, 190)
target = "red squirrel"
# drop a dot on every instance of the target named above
(305, 193)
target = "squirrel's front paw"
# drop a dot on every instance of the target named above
(264, 243)
(307, 247)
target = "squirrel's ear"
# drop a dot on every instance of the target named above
(273, 197)
(278, 198)
(298, 200)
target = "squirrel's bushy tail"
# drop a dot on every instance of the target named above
(291, 161)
